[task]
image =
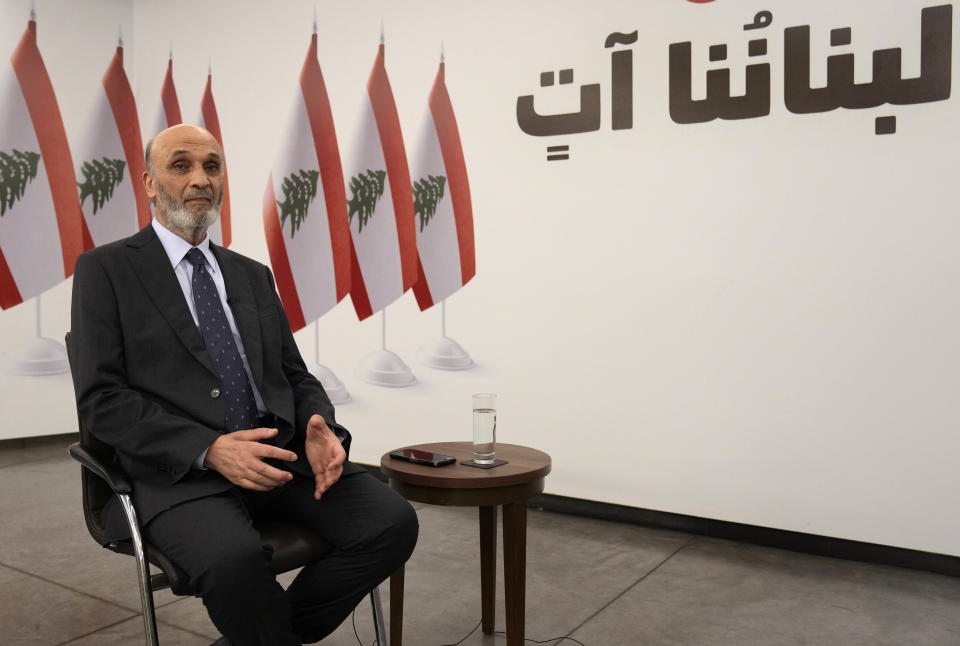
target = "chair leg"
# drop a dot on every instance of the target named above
(396, 606)
(143, 572)
(378, 625)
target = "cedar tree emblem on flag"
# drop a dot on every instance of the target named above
(366, 189)
(16, 171)
(427, 193)
(299, 189)
(100, 178)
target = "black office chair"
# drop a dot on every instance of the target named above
(291, 545)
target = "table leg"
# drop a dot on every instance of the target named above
(488, 567)
(396, 607)
(515, 569)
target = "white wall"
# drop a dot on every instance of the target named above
(751, 320)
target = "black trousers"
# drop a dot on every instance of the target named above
(373, 531)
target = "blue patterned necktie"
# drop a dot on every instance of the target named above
(240, 408)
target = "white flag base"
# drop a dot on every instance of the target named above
(445, 354)
(384, 368)
(37, 357)
(336, 391)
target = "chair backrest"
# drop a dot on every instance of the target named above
(96, 492)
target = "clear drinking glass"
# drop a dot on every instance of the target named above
(484, 428)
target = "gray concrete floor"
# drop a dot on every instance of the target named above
(604, 584)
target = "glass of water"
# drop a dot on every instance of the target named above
(484, 428)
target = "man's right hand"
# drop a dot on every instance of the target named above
(239, 457)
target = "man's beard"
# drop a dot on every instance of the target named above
(181, 219)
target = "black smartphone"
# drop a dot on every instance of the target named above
(423, 457)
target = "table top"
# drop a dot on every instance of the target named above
(524, 465)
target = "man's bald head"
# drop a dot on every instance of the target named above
(181, 130)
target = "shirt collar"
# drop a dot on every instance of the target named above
(176, 247)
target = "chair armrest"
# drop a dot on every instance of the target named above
(102, 467)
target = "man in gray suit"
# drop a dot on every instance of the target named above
(184, 362)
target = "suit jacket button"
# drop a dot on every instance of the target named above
(214, 393)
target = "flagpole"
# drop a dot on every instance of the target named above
(335, 389)
(383, 367)
(36, 355)
(383, 329)
(293, 268)
(442, 352)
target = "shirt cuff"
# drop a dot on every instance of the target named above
(198, 463)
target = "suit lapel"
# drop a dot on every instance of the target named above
(240, 300)
(152, 265)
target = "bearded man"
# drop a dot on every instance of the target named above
(184, 363)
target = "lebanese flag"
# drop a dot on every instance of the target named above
(219, 231)
(305, 207)
(110, 165)
(380, 202)
(40, 222)
(169, 114)
(441, 203)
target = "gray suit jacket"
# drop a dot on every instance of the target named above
(144, 382)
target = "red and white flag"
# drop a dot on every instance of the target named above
(40, 222)
(305, 207)
(380, 202)
(441, 203)
(219, 231)
(110, 165)
(169, 114)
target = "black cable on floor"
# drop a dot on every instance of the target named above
(353, 620)
(465, 636)
(501, 633)
(545, 641)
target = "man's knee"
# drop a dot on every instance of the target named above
(407, 528)
(402, 529)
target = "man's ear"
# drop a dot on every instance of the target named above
(149, 185)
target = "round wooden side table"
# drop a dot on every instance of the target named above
(509, 485)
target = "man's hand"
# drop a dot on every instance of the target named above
(324, 453)
(239, 457)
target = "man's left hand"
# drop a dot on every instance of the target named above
(324, 453)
